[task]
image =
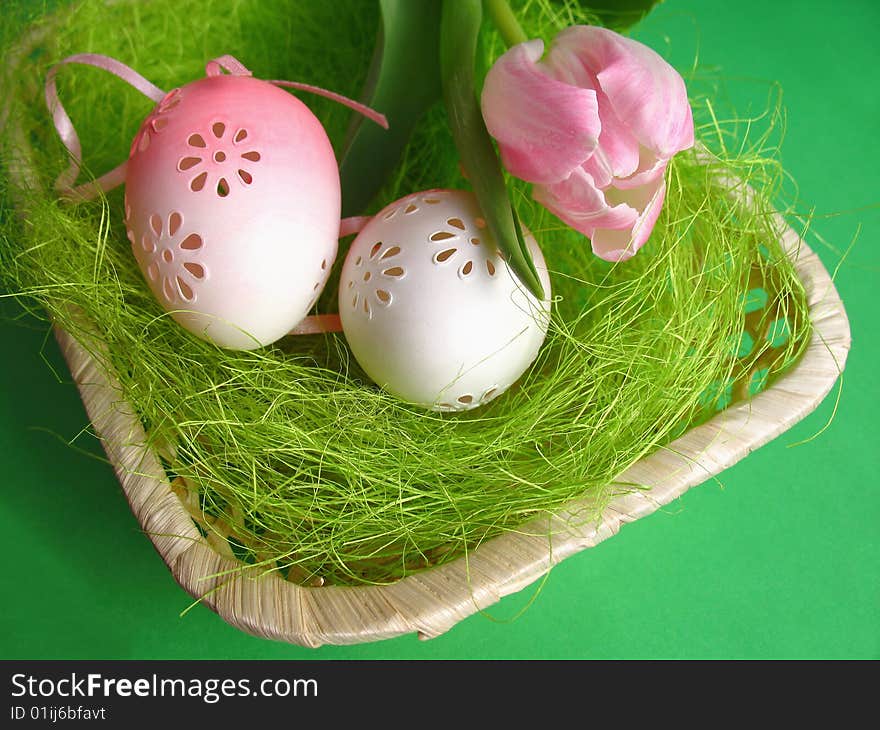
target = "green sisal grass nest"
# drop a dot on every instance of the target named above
(291, 459)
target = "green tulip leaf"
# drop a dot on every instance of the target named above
(618, 15)
(402, 83)
(459, 29)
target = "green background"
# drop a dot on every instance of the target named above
(778, 558)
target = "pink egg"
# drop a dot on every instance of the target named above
(232, 207)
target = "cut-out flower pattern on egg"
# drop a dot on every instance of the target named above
(215, 158)
(370, 283)
(468, 400)
(460, 245)
(411, 205)
(170, 261)
(155, 122)
(319, 284)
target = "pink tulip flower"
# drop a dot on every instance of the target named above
(593, 126)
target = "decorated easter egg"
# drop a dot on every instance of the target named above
(232, 208)
(431, 311)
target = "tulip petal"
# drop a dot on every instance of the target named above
(580, 204)
(618, 152)
(616, 140)
(649, 169)
(622, 244)
(599, 168)
(617, 155)
(545, 128)
(642, 88)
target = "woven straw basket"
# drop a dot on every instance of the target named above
(432, 601)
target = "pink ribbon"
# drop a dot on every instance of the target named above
(233, 66)
(227, 63)
(318, 324)
(370, 114)
(64, 184)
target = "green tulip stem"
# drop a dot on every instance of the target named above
(505, 21)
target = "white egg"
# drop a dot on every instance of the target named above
(430, 309)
